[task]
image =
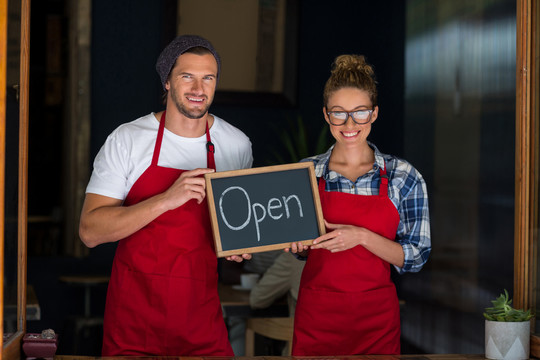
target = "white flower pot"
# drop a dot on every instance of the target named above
(508, 340)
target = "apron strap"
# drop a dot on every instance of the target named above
(159, 138)
(383, 186)
(210, 149)
(322, 184)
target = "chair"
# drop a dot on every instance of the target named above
(87, 320)
(277, 328)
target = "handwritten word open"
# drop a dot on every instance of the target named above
(274, 209)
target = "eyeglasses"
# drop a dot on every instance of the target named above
(360, 117)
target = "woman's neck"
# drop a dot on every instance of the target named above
(352, 162)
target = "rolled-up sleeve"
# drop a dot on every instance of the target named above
(414, 233)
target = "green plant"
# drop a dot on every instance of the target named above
(296, 142)
(502, 310)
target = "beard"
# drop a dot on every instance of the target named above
(182, 108)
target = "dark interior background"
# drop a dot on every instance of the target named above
(127, 37)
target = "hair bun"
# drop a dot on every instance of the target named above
(351, 71)
(352, 63)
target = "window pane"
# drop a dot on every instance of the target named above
(11, 170)
(460, 134)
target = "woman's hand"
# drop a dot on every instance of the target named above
(298, 248)
(341, 238)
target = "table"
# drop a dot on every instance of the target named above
(236, 303)
(229, 296)
(33, 310)
(236, 311)
(85, 321)
(87, 282)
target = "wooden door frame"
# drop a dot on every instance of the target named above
(11, 349)
(527, 160)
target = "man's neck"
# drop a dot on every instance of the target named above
(181, 125)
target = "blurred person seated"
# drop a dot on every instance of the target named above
(230, 274)
(282, 278)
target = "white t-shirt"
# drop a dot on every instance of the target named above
(128, 151)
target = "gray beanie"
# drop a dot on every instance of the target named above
(177, 47)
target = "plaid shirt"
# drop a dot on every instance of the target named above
(407, 191)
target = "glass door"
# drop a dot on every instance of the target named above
(14, 63)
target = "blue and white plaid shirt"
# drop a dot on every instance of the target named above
(407, 191)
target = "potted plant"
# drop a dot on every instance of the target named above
(507, 330)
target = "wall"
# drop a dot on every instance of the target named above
(126, 86)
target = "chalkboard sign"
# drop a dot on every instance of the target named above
(265, 208)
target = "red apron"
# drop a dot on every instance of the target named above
(162, 297)
(347, 303)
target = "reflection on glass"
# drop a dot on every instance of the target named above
(460, 60)
(9, 262)
(11, 208)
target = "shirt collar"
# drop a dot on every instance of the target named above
(321, 169)
(379, 157)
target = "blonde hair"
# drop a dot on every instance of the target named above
(351, 71)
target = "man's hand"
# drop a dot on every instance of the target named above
(239, 258)
(190, 185)
(104, 219)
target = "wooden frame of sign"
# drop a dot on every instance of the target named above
(265, 208)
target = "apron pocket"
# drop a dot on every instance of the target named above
(335, 323)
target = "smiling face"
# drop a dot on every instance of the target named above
(192, 84)
(350, 99)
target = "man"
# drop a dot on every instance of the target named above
(283, 277)
(147, 192)
(280, 275)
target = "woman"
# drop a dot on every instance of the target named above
(376, 213)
